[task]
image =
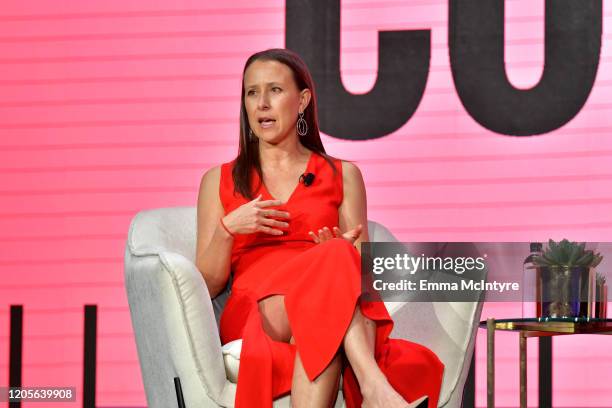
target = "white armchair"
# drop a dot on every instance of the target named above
(176, 323)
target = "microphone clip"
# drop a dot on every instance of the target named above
(307, 179)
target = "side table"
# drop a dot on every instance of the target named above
(534, 327)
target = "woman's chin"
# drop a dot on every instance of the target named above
(272, 139)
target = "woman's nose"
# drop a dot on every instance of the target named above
(263, 101)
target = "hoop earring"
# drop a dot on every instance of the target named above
(251, 137)
(302, 125)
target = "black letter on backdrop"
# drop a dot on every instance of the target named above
(313, 31)
(476, 47)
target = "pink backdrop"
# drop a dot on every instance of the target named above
(110, 107)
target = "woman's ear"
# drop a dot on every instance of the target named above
(305, 99)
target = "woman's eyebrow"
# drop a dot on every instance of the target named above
(268, 83)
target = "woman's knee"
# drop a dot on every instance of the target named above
(340, 243)
(340, 249)
(274, 318)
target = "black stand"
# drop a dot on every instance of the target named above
(179, 393)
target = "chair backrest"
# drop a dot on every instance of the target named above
(164, 229)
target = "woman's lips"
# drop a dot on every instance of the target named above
(267, 124)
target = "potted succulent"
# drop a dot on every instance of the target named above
(567, 279)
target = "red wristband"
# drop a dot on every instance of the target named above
(224, 227)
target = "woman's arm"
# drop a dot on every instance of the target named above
(214, 244)
(353, 210)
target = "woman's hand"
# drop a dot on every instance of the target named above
(325, 234)
(254, 216)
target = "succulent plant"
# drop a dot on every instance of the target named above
(567, 254)
(600, 278)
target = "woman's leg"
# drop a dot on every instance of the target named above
(274, 318)
(321, 392)
(359, 342)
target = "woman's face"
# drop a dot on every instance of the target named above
(272, 100)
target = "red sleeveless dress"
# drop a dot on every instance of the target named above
(322, 286)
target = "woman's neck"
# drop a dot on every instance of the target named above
(274, 156)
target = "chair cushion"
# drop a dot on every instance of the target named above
(231, 358)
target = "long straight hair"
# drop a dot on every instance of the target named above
(248, 150)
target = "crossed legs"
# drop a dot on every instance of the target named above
(358, 345)
(323, 390)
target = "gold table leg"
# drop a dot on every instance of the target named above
(523, 362)
(490, 363)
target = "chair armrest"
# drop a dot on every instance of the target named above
(175, 328)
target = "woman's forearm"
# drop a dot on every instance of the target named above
(215, 262)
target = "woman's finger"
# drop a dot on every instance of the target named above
(269, 203)
(327, 233)
(268, 230)
(275, 213)
(274, 223)
(314, 237)
(337, 232)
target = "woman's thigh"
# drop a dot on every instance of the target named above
(274, 317)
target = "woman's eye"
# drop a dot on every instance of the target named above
(250, 92)
(276, 87)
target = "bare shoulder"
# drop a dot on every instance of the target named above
(353, 209)
(209, 187)
(209, 206)
(351, 175)
(211, 178)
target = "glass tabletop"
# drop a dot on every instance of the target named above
(560, 325)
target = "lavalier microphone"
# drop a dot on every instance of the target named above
(307, 179)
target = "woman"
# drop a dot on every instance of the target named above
(287, 220)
